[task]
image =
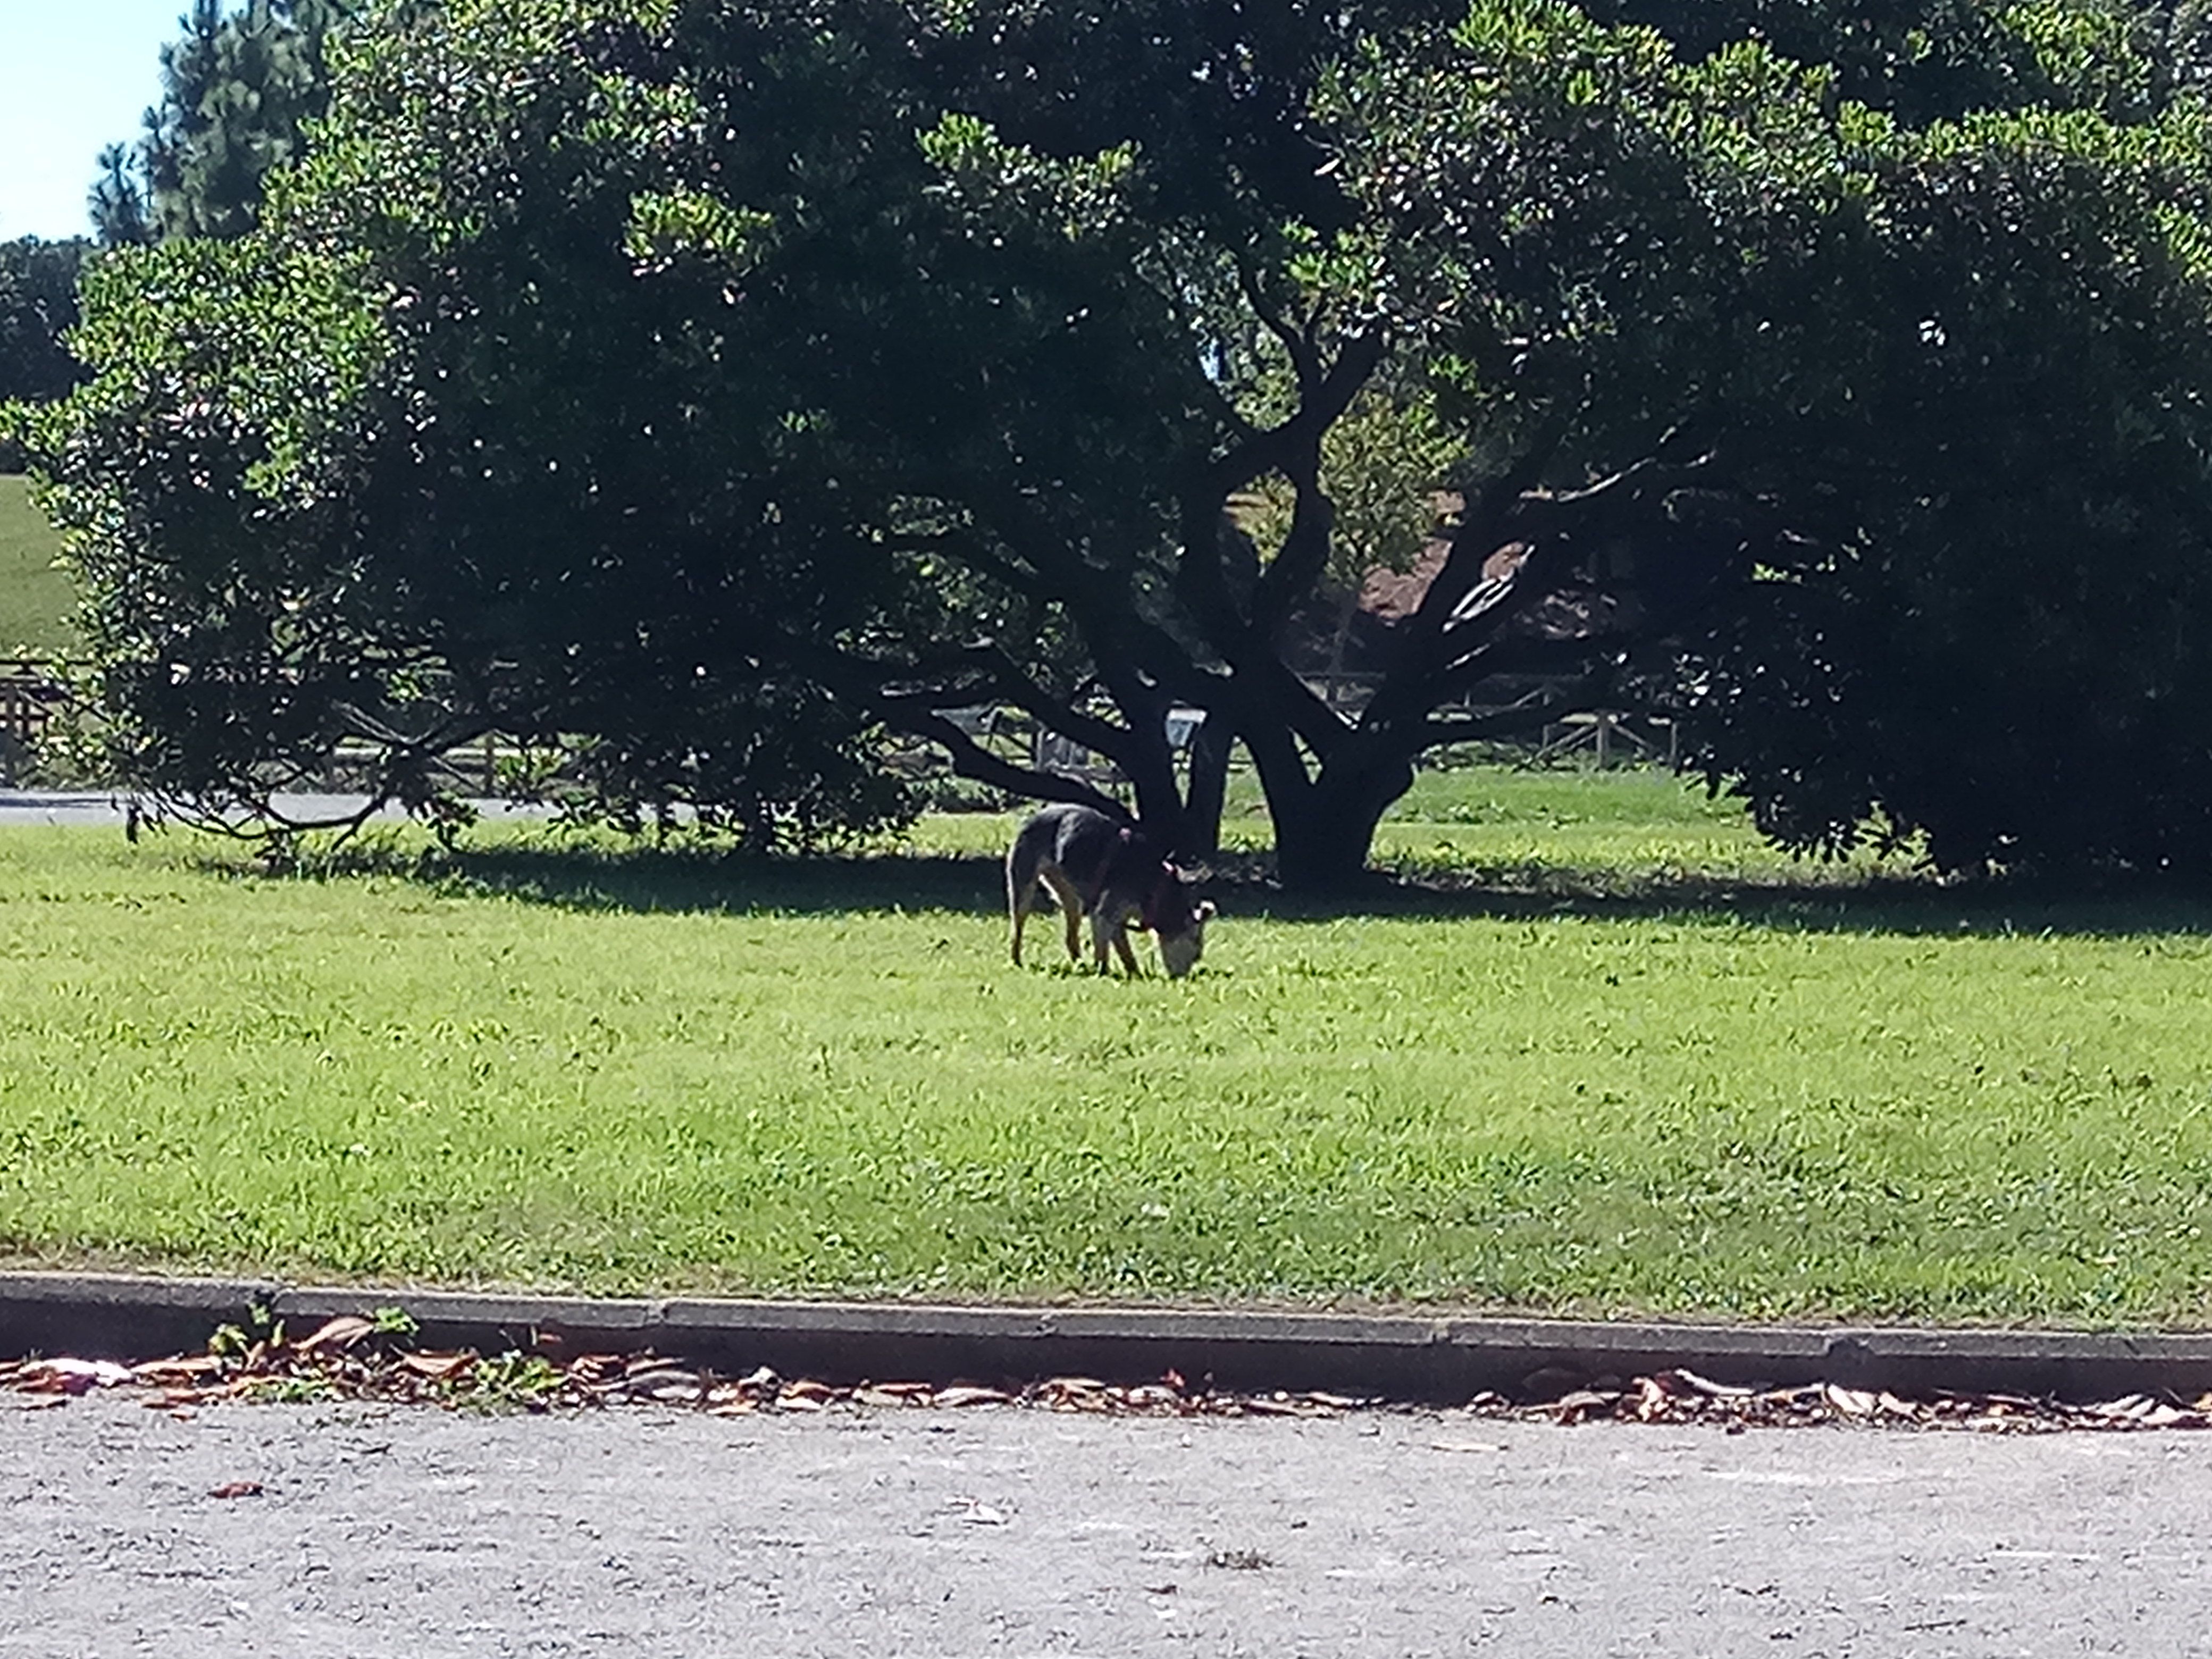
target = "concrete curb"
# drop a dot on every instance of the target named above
(1409, 1357)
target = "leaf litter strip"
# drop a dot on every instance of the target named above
(355, 1358)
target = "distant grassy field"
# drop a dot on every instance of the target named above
(35, 598)
(1623, 1060)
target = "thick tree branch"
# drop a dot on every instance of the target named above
(1292, 449)
(971, 760)
(1482, 530)
(1463, 608)
(999, 677)
(1121, 643)
(919, 711)
(1305, 359)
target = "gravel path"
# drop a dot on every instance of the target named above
(403, 1532)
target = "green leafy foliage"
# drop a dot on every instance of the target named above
(1993, 639)
(1911, 418)
(311, 511)
(38, 305)
(693, 391)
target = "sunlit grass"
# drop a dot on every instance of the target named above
(35, 598)
(1745, 1092)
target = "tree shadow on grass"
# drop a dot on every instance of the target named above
(693, 879)
(683, 879)
(1895, 901)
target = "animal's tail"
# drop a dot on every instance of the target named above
(1022, 861)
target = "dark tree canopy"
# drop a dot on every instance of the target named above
(38, 305)
(699, 389)
(1999, 644)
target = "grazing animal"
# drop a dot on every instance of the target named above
(1109, 872)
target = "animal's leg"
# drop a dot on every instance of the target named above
(1128, 956)
(1020, 897)
(1109, 931)
(1071, 905)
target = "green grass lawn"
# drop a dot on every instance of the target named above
(1675, 1074)
(35, 598)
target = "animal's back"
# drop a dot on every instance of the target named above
(1083, 838)
(1080, 843)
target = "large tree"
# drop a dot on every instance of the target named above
(239, 88)
(628, 375)
(1929, 403)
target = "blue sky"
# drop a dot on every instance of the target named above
(75, 78)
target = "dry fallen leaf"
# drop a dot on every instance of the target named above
(237, 1489)
(867, 1395)
(178, 1370)
(961, 1394)
(1852, 1402)
(665, 1382)
(340, 1333)
(1153, 1396)
(438, 1367)
(1277, 1406)
(2141, 1410)
(591, 1368)
(1707, 1386)
(914, 1391)
(1582, 1404)
(74, 1376)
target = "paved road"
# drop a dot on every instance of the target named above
(418, 1534)
(81, 806)
(95, 807)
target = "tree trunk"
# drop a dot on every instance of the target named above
(1209, 789)
(1325, 824)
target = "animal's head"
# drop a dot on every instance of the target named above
(1180, 923)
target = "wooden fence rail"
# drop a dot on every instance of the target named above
(30, 692)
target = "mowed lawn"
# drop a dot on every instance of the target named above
(35, 597)
(1621, 1059)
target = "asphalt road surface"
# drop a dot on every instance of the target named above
(414, 1533)
(91, 808)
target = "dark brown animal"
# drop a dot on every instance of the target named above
(1110, 873)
